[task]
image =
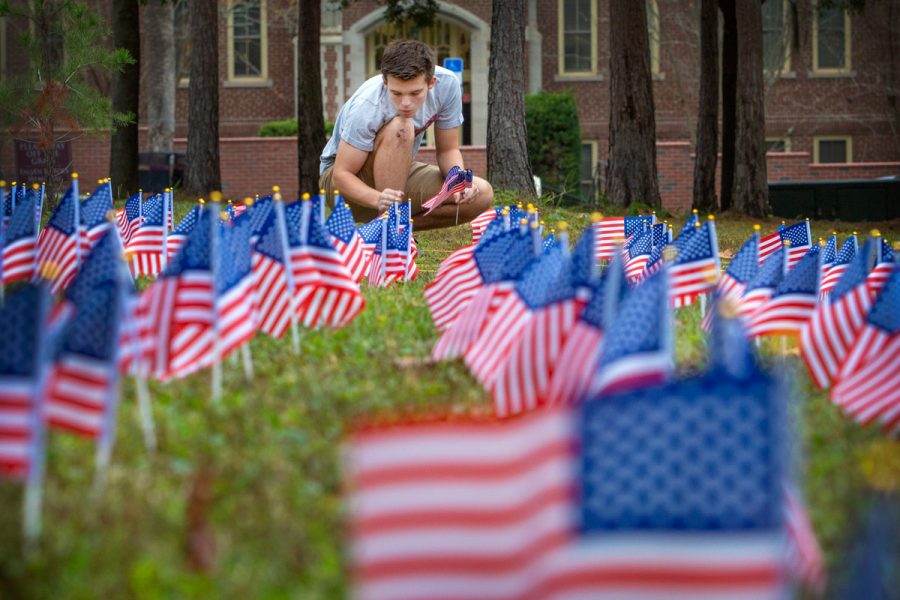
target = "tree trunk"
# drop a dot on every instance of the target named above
(729, 84)
(750, 191)
(631, 174)
(708, 112)
(310, 119)
(123, 152)
(159, 75)
(507, 143)
(202, 168)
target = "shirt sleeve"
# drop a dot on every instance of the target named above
(450, 115)
(360, 127)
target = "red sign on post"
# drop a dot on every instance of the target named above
(30, 160)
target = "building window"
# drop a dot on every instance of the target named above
(588, 170)
(653, 34)
(577, 37)
(776, 46)
(833, 149)
(778, 144)
(247, 41)
(831, 40)
(331, 16)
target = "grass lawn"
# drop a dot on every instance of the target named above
(243, 499)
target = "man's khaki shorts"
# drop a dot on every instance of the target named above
(423, 183)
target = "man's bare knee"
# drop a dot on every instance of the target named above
(398, 133)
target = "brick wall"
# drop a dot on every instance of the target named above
(251, 165)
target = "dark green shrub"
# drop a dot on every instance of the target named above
(554, 139)
(287, 128)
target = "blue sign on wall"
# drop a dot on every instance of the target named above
(455, 65)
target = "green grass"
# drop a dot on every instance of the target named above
(258, 475)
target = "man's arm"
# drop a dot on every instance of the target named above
(446, 144)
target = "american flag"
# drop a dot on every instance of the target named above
(318, 207)
(346, 239)
(370, 235)
(481, 222)
(885, 252)
(637, 255)
(182, 307)
(457, 281)
(57, 257)
(792, 303)
(549, 296)
(760, 287)
(336, 299)
(829, 251)
(236, 314)
(559, 504)
(770, 244)
(695, 270)
(93, 215)
(274, 283)
(456, 181)
(488, 352)
(637, 349)
(20, 246)
(868, 386)
(804, 560)
(128, 218)
(259, 212)
(690, 222)
(837, 321)
(175, 240)
(662, 234)
(742, 268)
(500, 266)
(612, 231)
(145, 249)
(392, 260)
(800, 240)
(833, 274)
(81, 388)
(22, 367)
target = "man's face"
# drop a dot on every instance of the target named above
(408, 95)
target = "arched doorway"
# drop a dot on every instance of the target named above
(448, 40)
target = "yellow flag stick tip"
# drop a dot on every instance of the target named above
(223, 214)
(695, 211)
(505, 210)
(710, 217)
(322, 191)
(337, 192)
(756, 227)
(111, 216)
(596, 217)
(562, 226)
(201, 200)
(35, 186)
(277, 197)
(215, 196)
(305, 196)
(2, 183)
(697, 224)
(875, 233)
(854, 233)
(523, 221)
(74, 175)
(276, 188)
(787, 243)
(534, 224)
(897, 246)
(248, 201)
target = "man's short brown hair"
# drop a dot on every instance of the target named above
(407, 59)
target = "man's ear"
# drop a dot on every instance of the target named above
(432, 82)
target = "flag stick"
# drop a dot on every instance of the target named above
(247, 359)
(77, 206)
(408, 249)
(164, 259)
(214, 267)
(31, 522)
(384, 227)
(288, 274)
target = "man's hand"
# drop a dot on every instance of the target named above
(466, 196)
(387, 197)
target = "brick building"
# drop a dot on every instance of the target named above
(828, 74)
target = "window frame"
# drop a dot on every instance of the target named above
(262, 79)
(815, 47)
(779, 138)
(595, 156)
(654, 43)
(785, 39)
(832, 138)
(561, 44)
